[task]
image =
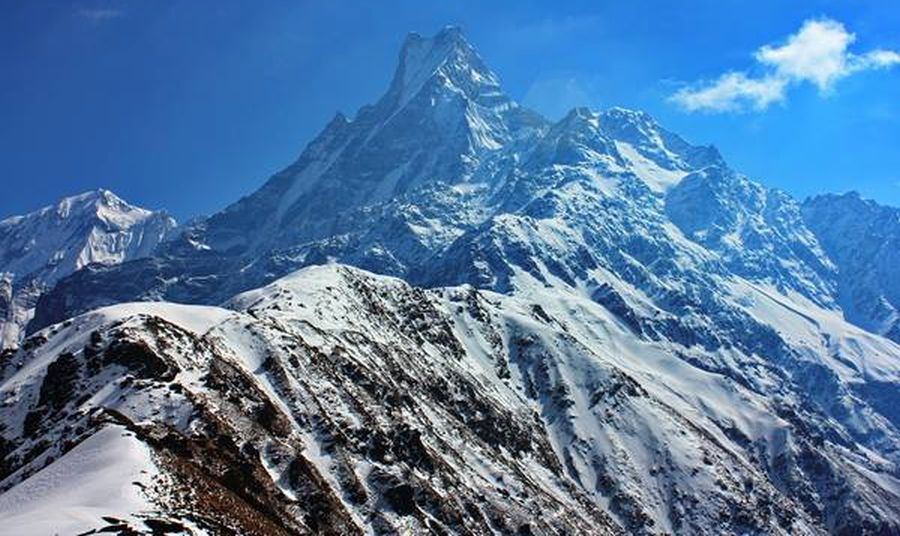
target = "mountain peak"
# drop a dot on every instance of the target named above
(447, 58)
(447, 34)
(101, 203)
(89, 202)
(580, 115)
(629, 124)
(104, 197)
(447, 41)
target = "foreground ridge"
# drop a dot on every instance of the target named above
(334, 400)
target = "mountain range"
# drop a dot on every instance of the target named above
(451, 315)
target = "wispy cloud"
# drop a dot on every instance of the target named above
(555, 96)
(817, 54)
(99, 14)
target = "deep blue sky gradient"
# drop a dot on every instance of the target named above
(189, 105)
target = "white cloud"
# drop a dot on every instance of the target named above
(732, 92)
(817, 54)
(877, 59)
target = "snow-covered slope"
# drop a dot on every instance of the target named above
(332, 402)
(103, 476)
(758, 232)
(666, 344)
(39, 248)
(337, 401)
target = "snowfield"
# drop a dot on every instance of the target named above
(102, 476)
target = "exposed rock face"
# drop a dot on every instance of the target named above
(760, 233)
(863, 239)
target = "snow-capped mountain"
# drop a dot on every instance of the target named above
(39, 248)
(586, 326)
(443, 119)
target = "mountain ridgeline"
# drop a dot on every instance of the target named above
(451, 315)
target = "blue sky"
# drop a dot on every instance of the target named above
(189, 105)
